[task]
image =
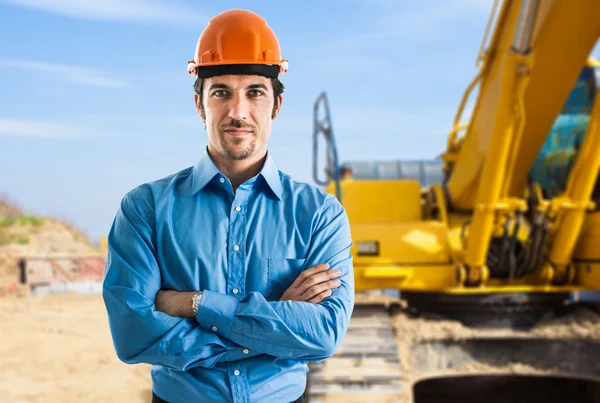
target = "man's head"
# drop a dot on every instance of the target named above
(237, 91)
(237, 111)
(346, 172)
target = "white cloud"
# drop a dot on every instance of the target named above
(165, 127)
(73, 74)
(116, 10)
(416, 21)
(397, 29)
(83, 127)
(43, 129)
(426, 22)
(474, 4)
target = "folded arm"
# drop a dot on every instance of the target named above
(140, 332)
(292, 329)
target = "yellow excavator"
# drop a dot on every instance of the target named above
(469, 266)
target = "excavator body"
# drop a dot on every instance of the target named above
(468, 268)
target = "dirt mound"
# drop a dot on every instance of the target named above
(23, 235)
(8, 209)
(559, 345)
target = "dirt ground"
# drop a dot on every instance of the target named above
(57, 348)
(440, 348)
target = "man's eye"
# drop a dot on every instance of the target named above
(220, 93)
(255, 93)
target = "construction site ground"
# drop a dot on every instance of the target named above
(57, 348)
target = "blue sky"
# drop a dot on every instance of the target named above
(96, 98)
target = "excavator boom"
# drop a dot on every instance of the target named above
(549, 53)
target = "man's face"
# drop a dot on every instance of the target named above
(237, 111)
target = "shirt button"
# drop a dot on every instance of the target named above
(245, 351)
(236, 247)
(236, 372)
(215, 328)
(238, 208)
(235, 291)
(222, 180)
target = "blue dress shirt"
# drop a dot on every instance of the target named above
(189, 232)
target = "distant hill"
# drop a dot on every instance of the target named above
(23, 235)
(7, 209)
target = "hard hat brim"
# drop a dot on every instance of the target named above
(266, 70)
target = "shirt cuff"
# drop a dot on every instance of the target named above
(216, 312)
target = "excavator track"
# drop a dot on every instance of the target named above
(366, 367)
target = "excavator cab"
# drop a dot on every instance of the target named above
(384, 203)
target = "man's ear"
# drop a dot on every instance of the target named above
(199, 107)
(277, 108)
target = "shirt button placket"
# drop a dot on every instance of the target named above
(239, 382)
(236, 277)
(235, 285)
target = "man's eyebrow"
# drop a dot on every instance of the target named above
(219, 86)
(255, 86)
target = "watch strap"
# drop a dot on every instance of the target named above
(196, 302)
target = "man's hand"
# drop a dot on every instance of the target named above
(313, 285)
(175, 303)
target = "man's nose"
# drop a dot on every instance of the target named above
(239, 108)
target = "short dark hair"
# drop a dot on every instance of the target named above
(278, 88)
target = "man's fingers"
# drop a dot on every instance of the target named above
(317, 279)
(309, 272)
(318, 268)
(320, 297)
(319, 288)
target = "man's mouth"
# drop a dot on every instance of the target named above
(238, 132)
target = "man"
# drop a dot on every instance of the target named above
(228, 276)
(346, 173)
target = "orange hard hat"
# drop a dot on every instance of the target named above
(237, 42)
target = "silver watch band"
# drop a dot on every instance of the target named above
(196, 302)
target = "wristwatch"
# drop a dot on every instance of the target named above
(196, 302)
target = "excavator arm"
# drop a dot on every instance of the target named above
(537, 51)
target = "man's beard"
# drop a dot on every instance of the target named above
(246, 151)
(239, 154)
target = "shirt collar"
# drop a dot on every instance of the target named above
(205, 170)
(270, 174)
